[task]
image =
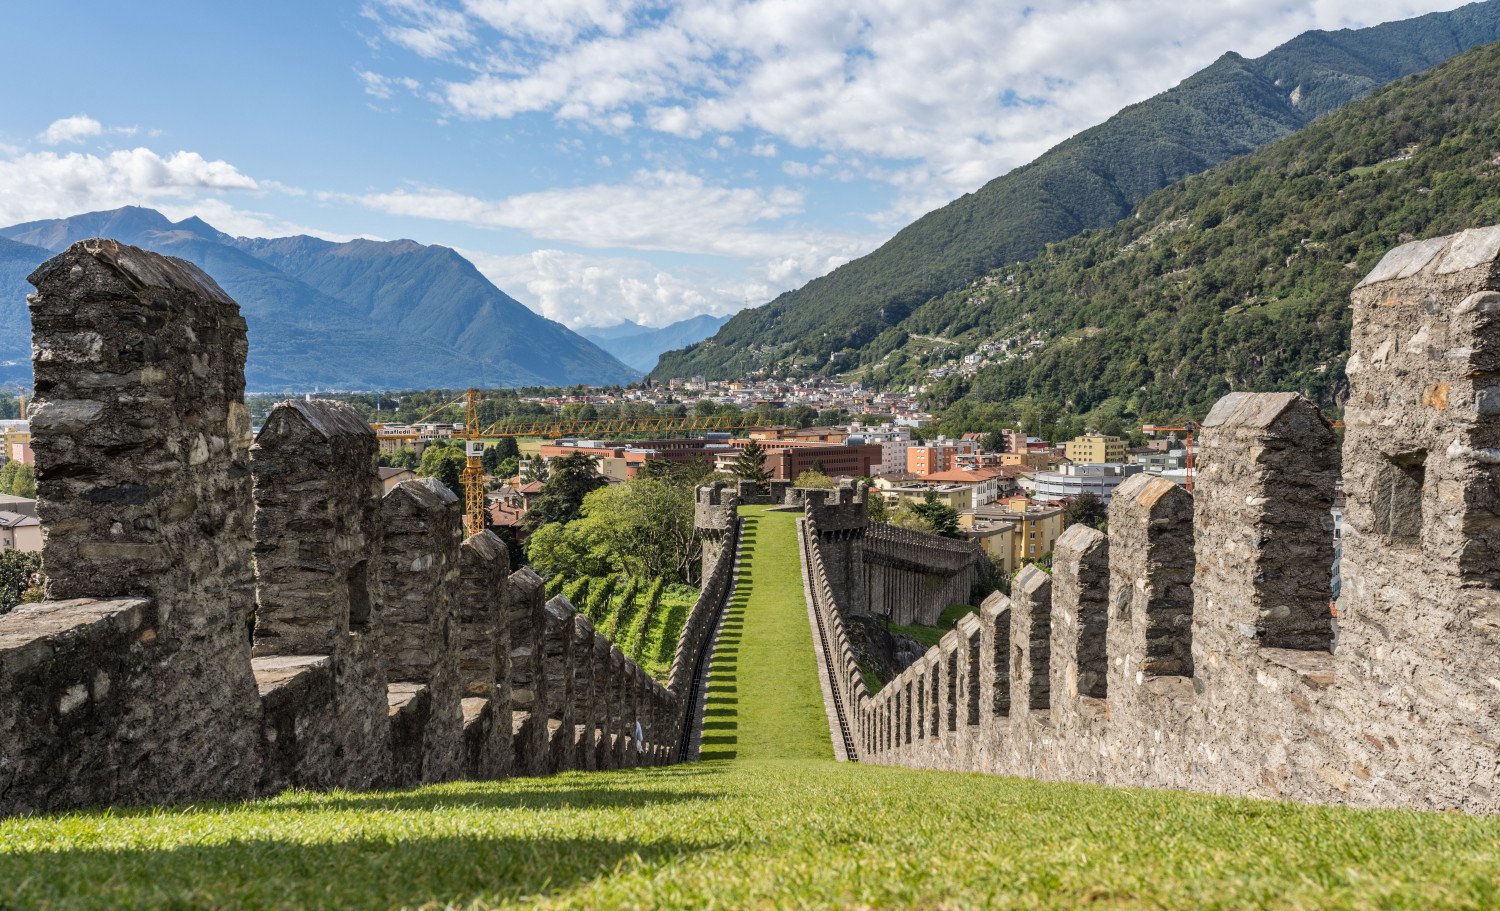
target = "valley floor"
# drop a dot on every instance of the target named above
(772, 822)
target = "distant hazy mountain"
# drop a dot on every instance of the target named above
(1094, 179)
(640, 346)
(360, 315)
(17, 260)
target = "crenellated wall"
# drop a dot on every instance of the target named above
(366, 644)
(1194, 646)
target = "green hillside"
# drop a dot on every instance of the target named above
(1092, 180)
(1237, 279)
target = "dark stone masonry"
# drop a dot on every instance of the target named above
(1195, 646)
(228, 617)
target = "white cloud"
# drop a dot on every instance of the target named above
(71, 129)
(383, 87)
(950, 92)
(668, 211)
(763, 150)
(38, 185)
(430, 29)
(553, 21)
(581, 290)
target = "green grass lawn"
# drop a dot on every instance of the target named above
(932, 635)
(778, 825)
(764, 700)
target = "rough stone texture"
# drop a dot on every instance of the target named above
(716, 521)
(525, 616)
(141, 440)
(716, 517)
(557, 674)
(1031, 642)
(419, 588)
(585, 705)
(1080, 576)
(1217, 634)
(484, 652)
(1278, 553)
(371, 619)
(65, 667)
(317, 523)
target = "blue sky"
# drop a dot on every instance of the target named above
(598, 159)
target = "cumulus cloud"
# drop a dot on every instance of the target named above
(954, 91)
(38, 185)
(71, 129)
(584, 290)
(667, 211)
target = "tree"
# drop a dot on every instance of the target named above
(1086, 509)
(490, 460)
(446, 463)
(573, 477)
(643, 529)
(942, 517)
(20, 575)
(750, 464)
(401, 458)
(17, 479)
(815, 478)
(994, 441)
(507, 449)
(533, 470)
(875, 505)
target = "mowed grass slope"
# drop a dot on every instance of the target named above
(776, 826)
(764, 698)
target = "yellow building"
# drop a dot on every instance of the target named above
(957, 497)
(1032, 530)
(1096, 449)
(1040, 459)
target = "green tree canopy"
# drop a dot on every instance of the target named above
(17, 479)
(446, 463)
(1086, 509)
(942, 517)
(750, 464)
(815, 478)
(573, 477)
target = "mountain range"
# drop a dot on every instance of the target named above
(1092, 180)
(640, 346)
(1237, 279)
(358, 315)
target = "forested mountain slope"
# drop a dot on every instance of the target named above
(1092, 180)
(1235, 279)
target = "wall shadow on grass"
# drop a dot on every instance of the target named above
(359, 872)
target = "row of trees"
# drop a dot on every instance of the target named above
(17, 480)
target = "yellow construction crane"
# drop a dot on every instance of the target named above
(1190, 427)
(473, 469)
(602, 427)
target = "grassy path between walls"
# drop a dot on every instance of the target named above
(772, 822)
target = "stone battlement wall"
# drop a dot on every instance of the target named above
(1194, 647)
(366, 644)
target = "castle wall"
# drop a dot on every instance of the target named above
(386, 650)
(317, 661)
(1194, 647)
(142, 441)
